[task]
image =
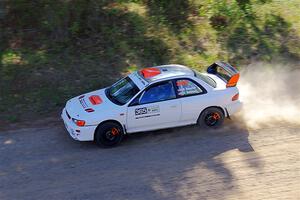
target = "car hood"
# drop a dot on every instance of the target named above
(89, 105)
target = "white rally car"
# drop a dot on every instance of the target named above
(154, 98)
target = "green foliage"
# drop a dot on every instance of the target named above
(51, 50)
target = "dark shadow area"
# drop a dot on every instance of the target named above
(153, 165)
(53, 50)
(246, 4)
(268, 43)
(173, 13)
(46, 40)
(274, 40)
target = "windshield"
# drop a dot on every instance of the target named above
(122, 91)
(206, 79)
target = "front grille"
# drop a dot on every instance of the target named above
(68, 114)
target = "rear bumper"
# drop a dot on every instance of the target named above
(234, 107)
(85, 133)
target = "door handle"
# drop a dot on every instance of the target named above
(173, 106)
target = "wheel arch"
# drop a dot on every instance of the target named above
(109, 120)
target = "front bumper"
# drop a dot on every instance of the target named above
(85, 133)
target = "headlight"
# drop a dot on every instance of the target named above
(78, 122)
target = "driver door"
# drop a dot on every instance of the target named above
(157, 107)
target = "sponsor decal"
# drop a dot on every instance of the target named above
(182, 83)
(150, 111)
(141, 111)
(147, 116)
(185, 88)
(83, 103)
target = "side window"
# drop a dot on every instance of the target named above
(161, 92)
(186, 87)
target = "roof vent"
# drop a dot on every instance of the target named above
(150, 72)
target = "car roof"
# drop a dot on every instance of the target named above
(168, 71)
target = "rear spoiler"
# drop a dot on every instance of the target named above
(226, 72)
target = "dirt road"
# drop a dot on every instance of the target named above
(185, 163)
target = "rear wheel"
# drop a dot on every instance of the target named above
(109, 134)
(211, 118)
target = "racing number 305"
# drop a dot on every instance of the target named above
(141, 111)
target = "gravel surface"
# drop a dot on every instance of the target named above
(181, 163)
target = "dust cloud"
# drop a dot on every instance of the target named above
(271, 95)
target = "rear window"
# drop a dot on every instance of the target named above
(206, 79)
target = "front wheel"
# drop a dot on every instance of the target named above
(211, 118)
(109, 134)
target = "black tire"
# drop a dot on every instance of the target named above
(109, 134)
(211, 118)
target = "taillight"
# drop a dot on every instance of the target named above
(79, 122)
(235, 97)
